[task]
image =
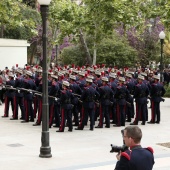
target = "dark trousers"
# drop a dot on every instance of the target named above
(104, 113)
(18, 101)
(113, 113)
(51, 114)
(75, 114)
(120, 112)
(35, 105)
(57, 114)
(28, 110)
(155, 112)
(66, 114)
(87, 112)
(141, 112)
(39, 118)
(8, 100)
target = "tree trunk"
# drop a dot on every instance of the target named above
(34, 47)
(94, 54)
(83, 42)
(2, 31)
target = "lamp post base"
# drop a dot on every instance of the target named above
(45, 149)
(45, 152)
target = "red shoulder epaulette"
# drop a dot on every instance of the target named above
(150, 149)
(124, 154)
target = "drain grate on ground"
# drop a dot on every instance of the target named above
(164, 144)
(15, 145)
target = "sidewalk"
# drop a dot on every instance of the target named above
(80, 150)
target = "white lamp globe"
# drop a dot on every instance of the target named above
(162, 35)
(44, 2)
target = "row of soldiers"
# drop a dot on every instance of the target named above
(75, 96)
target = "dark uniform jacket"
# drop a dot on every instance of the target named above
(157, 91)
(76, 90)
(66, 99)
(121, 95)
(53, 91)
(19, 83)
(106, 95)
(30, 85)
(137, 158)
(10, 93)
(89, 96)
(141, 93)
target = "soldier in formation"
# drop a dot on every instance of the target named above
(76, 95)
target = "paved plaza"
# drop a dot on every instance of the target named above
(86, 150)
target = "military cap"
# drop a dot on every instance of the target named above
(82, 74)
(19, 71)
(156, 77)
(54, 76)
(129, 75)
(141, 77)
(89, 80)
(60, 74)
(90, 77)
(63, 72)
(10, 74)
(122, 79)
(130, 72)
(143, 74)
(66, 83)
(39, 70)
(91, 69)
(29, 73)
(98, 73)
(112, 75)
(75, 71)
(105, 79)
(72, 77)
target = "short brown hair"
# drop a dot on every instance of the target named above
(134, 132)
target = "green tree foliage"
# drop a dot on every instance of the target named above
(116, 51)
(73, 55)
(30, 19)
(18, 20)
(112, 50)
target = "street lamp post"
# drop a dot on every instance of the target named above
(162, 37)
(45, 149)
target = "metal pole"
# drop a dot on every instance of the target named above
(161, 63)
(45, 149)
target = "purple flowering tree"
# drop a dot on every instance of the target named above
(145, 42)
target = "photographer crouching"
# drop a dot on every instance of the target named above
(131, 156)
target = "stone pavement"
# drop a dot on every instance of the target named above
(80, 150)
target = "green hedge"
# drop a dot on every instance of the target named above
(167, 88)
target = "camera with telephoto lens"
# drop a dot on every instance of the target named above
(122, 148)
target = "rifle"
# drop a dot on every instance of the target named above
(37, 93)
(40, 94)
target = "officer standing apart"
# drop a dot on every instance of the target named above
(157, 92)
(136, 157)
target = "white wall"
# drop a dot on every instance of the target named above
(13, 52)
